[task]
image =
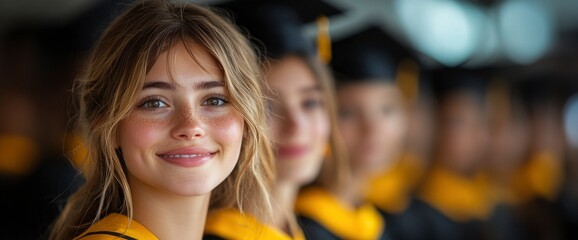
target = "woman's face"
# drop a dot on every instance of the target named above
(372, 122)
(182, 137)
(463, 137)
(299, 121)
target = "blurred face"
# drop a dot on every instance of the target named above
(372, 122)
(182, 136)
(420, 127)
(509, 142)
(463, 138)
(299, 122)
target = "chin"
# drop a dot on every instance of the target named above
(195, 187)
(371, 166)
(192, 193)
(303, 177)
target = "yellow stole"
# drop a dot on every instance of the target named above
(541, 176)
(234, 225)
(391, 190)
(459, 198)
(346, 223)
(114, 224)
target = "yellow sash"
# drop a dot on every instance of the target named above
(541, 177)
(347, 223)
(391, 190)
(234, 225)
(114, 226)
(459, 198)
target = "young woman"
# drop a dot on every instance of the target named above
(172, 111)
(372, 122)
(302, 122)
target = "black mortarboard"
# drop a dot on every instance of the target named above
(275, 27)
(544, 88)
(369, 55)
(451, 81)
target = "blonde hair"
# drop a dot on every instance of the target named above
(109, 88)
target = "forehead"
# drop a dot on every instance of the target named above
(369, 90)
(184, 61)
(290, 74)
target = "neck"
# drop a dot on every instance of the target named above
(501, 176)
(170, 216)
(353, 193)
(448, 163)
(284, 195)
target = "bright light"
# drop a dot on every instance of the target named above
(571, 120)
(526, 28)
(488, 46)
(445, 30)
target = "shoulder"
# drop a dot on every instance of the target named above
(233, 224)
(230, 224)
(104, 235)
(116, 226)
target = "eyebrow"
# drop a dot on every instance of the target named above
(204, 85)
(208, 85)
(315, 88)
(158, 84)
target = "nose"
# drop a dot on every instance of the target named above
(187, 125)
(293, 121)
(368, 124)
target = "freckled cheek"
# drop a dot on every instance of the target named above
(226, 129)
(141, 134)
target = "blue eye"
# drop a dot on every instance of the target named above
(215, 101)
(153, 103)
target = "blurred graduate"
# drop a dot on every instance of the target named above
(302, 122)
(454, 198)
(372, 119)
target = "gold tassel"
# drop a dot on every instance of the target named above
(407, 79)
(323, 39)
(499, 100)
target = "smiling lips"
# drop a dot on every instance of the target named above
(187, 157)
(292, 151)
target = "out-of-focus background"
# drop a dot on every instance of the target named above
(527, 51)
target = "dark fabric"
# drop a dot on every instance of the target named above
(120, 235)
(568, 206)
(421, 221)
(212, 237)
(314, 230)
(543, 220)
(506, 223)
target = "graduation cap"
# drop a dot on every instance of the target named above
(543, 89)
(373, 55)
(275, 27)
(448, 82)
